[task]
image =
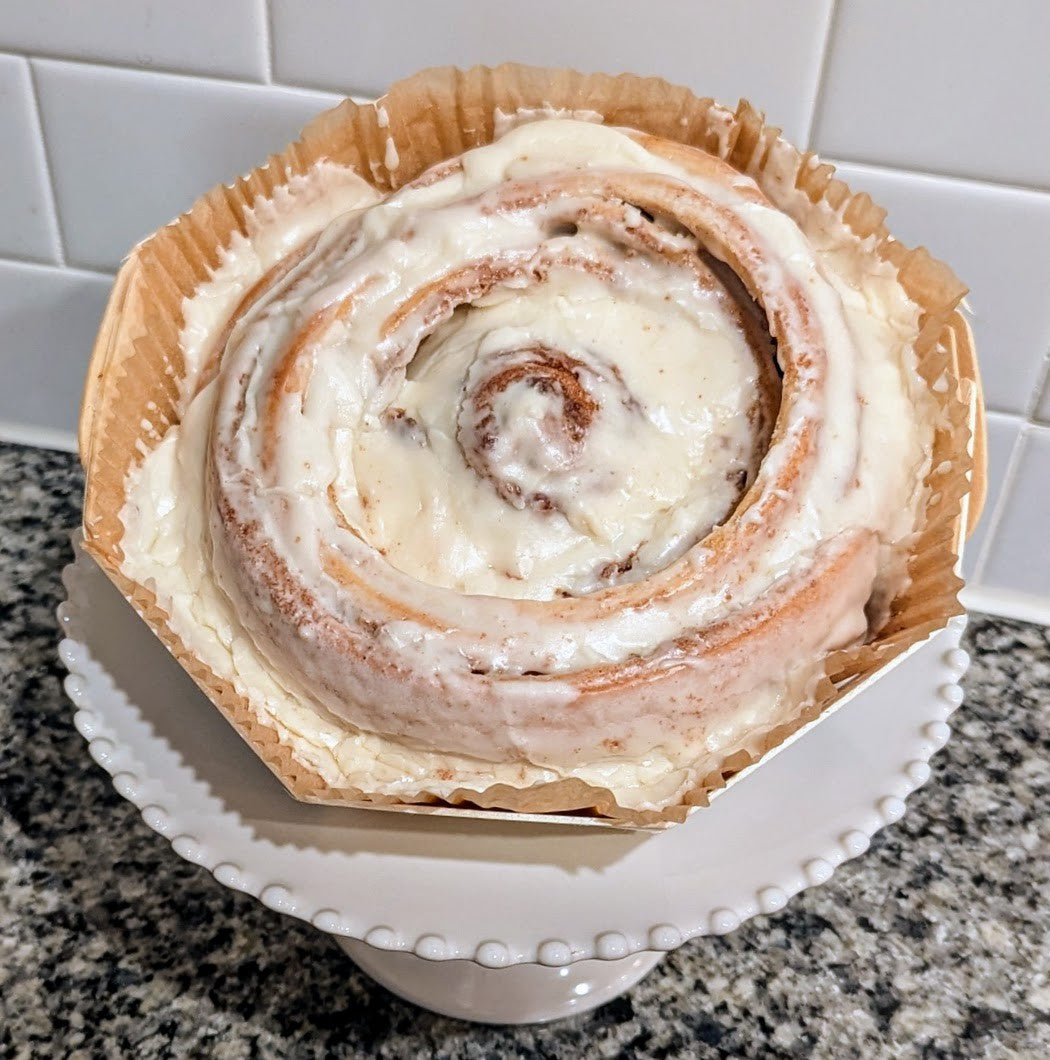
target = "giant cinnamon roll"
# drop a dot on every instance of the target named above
(570, 460)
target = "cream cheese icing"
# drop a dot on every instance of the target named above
(669, 370)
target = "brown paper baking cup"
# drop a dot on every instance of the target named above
(132, 394)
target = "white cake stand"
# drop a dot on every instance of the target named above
(493, 920)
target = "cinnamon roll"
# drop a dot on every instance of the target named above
(571, 461)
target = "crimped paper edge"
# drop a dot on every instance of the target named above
(131, 396)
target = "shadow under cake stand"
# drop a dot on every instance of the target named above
(494, 920)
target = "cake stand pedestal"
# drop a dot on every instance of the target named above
(495, 920)
(521, 993)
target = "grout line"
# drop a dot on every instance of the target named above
(915, 171)
(61, 267)
(10, 258)
(995, 516)
(358, 95)
(137, 68)
(822, 73)
(39, 437)
(267, 29)
(58, 236)
(197, 76)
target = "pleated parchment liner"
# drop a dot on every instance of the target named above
(132, 392)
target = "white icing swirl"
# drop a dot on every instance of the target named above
(525, 486)
(594, 408)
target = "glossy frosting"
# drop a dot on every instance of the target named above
(440, 505)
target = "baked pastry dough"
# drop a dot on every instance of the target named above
(488, 467)
(571, 470)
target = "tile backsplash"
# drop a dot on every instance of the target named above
(116, 115)
(182, 134)
(383, 42)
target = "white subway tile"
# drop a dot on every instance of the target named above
(131, 150)
(1003, 432)
(226, 39)
(1018, 560)
(954, 86)
(48, 317)
(997, 240)
(27, 223)
(766, 51)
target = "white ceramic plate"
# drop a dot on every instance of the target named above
(490, 891)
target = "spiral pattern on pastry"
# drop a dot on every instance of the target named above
(448, 488)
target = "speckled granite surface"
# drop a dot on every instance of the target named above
(934, 943)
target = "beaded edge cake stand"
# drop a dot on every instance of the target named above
(495, 920)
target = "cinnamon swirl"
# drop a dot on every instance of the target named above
(571, 459)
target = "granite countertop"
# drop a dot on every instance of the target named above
(935, 943)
